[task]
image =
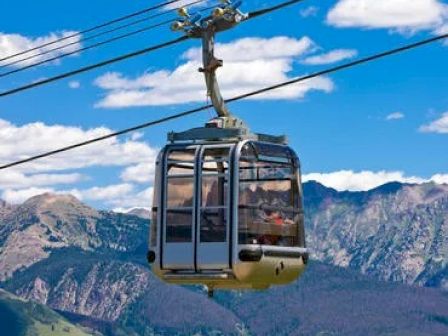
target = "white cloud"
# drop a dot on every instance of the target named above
(137, 136)
(254, 48)
(309, 11)
(359, 181)
(442, 30)
(331, 57)
(391, 14)
(182, 3)
(141, 173)
(47, 175)
(21, 195)
(123, 195)
(118, 196)
(437, 126)
(142, 199)
(440, 178)
(250, 64)
(108, 193)
(11, 44)
(10, 178)
(74, 84)
(18, 142)
(395, 116)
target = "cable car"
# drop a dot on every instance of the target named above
(228, 204)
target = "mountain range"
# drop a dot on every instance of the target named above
(379, 266)
(21, 317)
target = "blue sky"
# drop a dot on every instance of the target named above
(353, 130)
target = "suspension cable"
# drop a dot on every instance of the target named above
(130, 55)
(98, 44)
(106, 32)
(237, 98)
(94, 66)
(88, 30)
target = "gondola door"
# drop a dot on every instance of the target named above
(212, 236)
(179, 214)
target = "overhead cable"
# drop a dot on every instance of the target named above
(98, 44)
(85, 39)
(93, 66)
(237, 98)
(129, 55)
(88, 30)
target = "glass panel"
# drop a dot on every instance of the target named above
(181, 162)
(215, 160)
(213, 225)
(214, 190)
(275, 172)
(271, 193)
(266, 171)
(248, 173)
(179, 226)
(216, 154)
(267, 227)
(215, 167)
(182, 155)
(248, 152)
(154, 225)
(180, 191)
(182, 168)
(275, 151)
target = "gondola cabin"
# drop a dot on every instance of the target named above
(228, 215)
(227, 209)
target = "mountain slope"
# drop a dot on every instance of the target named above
(19, 317)
(90, 266)
(330, 300)
(5, 208)
(116, 288)
(326, 300)
(395, 232)
(48, 222)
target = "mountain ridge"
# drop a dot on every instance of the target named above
(51, 221)
(91, 265)
(403, 225)
(399, 235)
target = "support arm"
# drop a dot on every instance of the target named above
(211, 64)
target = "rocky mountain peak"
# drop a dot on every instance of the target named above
(140, 212)
(394, 232)
(62, 205)
(49, 222)
(426, 193)
(316, 190)
(388, 188)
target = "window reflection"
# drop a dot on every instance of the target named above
(268, 227)
(214, 191)
(213, 225)
(179, 226)
(214, 195)
(274, 193)
(179, 196)
(268, 196)
(182, 155)
(180, 191)
(175, 168)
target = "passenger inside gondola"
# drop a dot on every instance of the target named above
(268, 202)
